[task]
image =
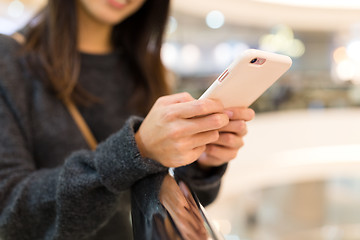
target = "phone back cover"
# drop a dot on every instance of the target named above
(243, 82)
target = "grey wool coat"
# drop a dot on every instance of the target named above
(51, 185)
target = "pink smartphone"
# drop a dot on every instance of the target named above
(247, 78)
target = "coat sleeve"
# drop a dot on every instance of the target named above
(205, 184)
(71, 201)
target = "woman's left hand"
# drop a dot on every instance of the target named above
(230, 139)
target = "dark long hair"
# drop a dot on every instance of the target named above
(51, 50)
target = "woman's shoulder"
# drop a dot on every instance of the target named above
(12, 76)
(9, 45)
(10, 55)
(10, 52)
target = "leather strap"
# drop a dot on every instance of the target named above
(18, 37)
(81, 123)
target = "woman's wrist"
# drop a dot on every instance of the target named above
(140, 144)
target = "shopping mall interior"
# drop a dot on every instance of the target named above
(298, 175)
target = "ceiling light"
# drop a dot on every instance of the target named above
(215, 19)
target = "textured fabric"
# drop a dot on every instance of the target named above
(194, 177)
(51, 185)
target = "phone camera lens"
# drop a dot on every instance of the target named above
(253, 60)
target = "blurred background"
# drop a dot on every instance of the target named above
(298, 175)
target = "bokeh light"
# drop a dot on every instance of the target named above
(15, 9)
(340, 54)
(172, 25)
(346, 70)
(226, 52)
(169, 54)
(353, 50)
(190, 56)
(223, 54)
(215, 19)
(282, 41)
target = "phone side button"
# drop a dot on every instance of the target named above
(224, 75)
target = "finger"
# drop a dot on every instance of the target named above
(243, 132)
(201, 139)
(199, 108)
(235, 126)
(175, 98)
(241, 113)
(224, 154)
(190, 156)
(206, 123)
(229, 140)
(209, 161)
(194, 154)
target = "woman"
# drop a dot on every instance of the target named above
(103, 57)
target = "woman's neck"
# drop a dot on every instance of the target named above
(94, 37)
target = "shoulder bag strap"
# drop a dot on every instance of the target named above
(81, 123)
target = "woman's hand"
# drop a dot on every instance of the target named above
(230, 140)
(178, 128)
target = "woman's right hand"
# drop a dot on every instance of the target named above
(178, 127)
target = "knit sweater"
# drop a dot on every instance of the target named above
(52, 186)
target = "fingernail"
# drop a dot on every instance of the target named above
(229, 113)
